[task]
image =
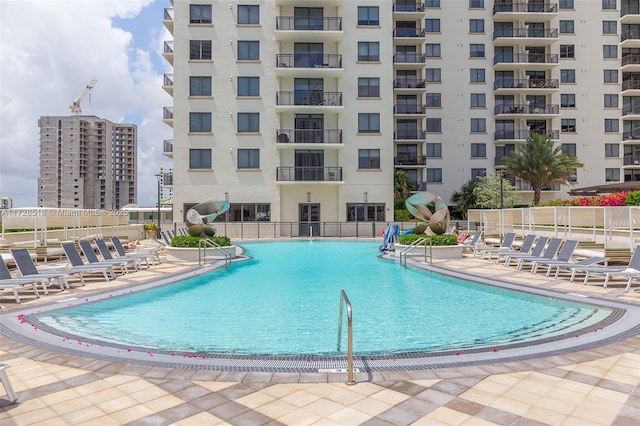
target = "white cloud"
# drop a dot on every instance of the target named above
(46, 61)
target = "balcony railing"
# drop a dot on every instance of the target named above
(526, 83)
(630, 10)
(526, 33)
(403, 160)
(309, 97)
(631, 135)
(168, 47)
(409, 58)
(168, 14)
(408, 32)
(309, 135)
(525, 134)
(631, 110)
(408, 83)
(167, 113)
(167, 145)
(630, 35)
(409, 109)
(526, 109)
(500, 160)
(308, 60)
(631, 59)
(168, 80)
(292, 23)
(309, 174)
(525, 7)
(411, 135)
(631, 160)
(631, 85)
(528, 58)
(167, 179)
(408, 6)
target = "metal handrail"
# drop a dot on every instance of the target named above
(405, 251)
(204, 243)
(344, 300)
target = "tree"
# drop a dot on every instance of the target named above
(496, 192)
(464, 199)
(402, 186)
(541, 164)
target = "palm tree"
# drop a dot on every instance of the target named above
(541, 164)
(402, 186)
(464, 198)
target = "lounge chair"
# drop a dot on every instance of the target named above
(525, 248)
(549, 253)
(90, 255)
(473, 241)
(166, 237)
(536, 251)
(631, 270)
(564, 255)
(117, 244)
(27, 268)
(15, 284)
(106, 255)
(507, 242)
(74, 258)
(567, 266)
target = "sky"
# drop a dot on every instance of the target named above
(50, 50)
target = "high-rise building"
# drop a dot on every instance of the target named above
(302, 110)
(86, 162)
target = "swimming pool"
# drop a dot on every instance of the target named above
(285, 300)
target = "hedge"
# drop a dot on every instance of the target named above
(436, 240)
(187, 241)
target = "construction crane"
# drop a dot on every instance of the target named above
(75, 106)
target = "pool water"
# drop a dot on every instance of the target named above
(285, 301)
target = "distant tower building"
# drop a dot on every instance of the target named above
(86, 162)
(6, 203)
(166, 185)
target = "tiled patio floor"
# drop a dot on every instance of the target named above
(592, 387)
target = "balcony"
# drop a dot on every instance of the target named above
(167, 148)
(525, 109)
(167, 83)
(409, 83)
(524, 8)
(314, 136)
(408, 109)
(409, 135)
(630, 110)
(167, 51)
(410, 160)
(409, 58)
(631, 135)
(408, 6)
(525, 33)
(525, 134)
(310, 29)
(630, 63)
(526, 83)
(631, 160)
(408, 32)
(167, 179)
(309, 98)
(630, 14)
(629, 85)
(309, 174)
(167, 20)
(167, 115)
(526, 58)
(308, 60)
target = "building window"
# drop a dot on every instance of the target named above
(567, 76)
(433, 75)
(434, 175)
(200, 49)
(248, 86)
(567, 27)
(200, 158)
(568, 100)
(434, 150)
(611, 150)
(368, 15)
(248, 212)
(369, 87)
(478, 125)
(368, 51)
(200, 14)
(248, 14)
(368, 122)
(433, 125)
(248, 50)
(432, 50)
(611, 175)
(365, 212)
(609, 27)
(610, 76)
(432, 25)
(476, 174)
(432, 3)
(248, 122)
(478, 100)
(610, 51)
(433, 100)
(568, 125)
(565, 4)
(476, 50)
(567, 51)
(478, 150)
(611, 125)
(476, 4)
(199, 86)
(368, 158)
(568, 148)
(200, 122)
(248, 158)
(610, 100)
(608, 4)
(476, 25)
(477, 75)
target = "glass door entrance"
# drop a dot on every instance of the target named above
(309, 218)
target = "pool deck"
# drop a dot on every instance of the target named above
(599, 386)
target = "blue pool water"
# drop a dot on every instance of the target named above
(285, 301)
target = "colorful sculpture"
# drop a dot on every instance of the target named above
(198, 217)
(431, 209)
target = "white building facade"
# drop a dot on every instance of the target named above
(301, 111)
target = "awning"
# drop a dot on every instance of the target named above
(606, 188)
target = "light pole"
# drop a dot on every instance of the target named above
(501, 189)
(158, 177)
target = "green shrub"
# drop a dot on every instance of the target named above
(436, 240)
(152, 226)
(402, 215)
(187, 241)
(633, 198)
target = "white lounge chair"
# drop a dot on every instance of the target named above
(507, 242)
(7, 281)
(549, 253)
(154, 256)
(563, 256)
(106, 255)
(525, 248)
(632, 270)
(90, 255)
(27, 268)
(537, 250)
(568, 266)
(74, 258)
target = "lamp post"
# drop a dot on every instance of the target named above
(501, 189)
(158, 177)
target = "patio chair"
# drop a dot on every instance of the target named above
(632, 270)
(536, 251)
(106, 255)
(90, 255)
(507, 242)
(27, 268)
(567, 266)
(154, 256)
(549, 253)
(563, 256)
(525, 248)
(15, 284)
(473, 241)
(74, 258)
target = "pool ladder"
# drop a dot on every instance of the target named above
(205, 244)
(427, 244)
(344, 300)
